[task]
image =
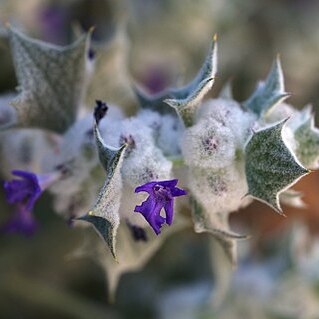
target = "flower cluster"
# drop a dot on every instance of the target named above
(218, 149)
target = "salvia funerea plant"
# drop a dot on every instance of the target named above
(136, 180)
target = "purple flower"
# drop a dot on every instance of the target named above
(24, 192)
(21, 222)
(161, 195)
(28, 188)
(138, 233)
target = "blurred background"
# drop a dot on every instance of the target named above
(154, 42)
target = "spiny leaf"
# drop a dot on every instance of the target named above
(185, 99)
(207, 71)
(186, 108)
(52, 81)
(307, 138)
(216, 225)
(109, 156)
(270, 166)
(268, 93)
(103, 227)
(104, 216)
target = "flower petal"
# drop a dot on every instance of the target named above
(29, 176)
(151, 212)
(146, 187)
(178, 192)
(169, 184)
(169, 210)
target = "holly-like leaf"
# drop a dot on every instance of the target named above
(307, 138)
(185, 99)
(51, 80)
(187, 107)
(270, 166)
(110, 157)
(104, 216)
(216, 225)
(207, 71)
(268, 93)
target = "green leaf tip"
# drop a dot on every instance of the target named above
(109, 156)
(104, 228)
(268, 93)
(186, 108)
(270, 166)
(52, 81)
(186, 99)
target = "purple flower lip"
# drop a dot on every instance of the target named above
(161, 195)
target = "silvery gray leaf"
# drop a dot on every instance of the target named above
(52, 81)
(185, 99)
(268, 93)
(104, 215)
(270, 166)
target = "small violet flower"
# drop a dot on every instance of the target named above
(161, 195)
(24, 192)
(138, 233)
